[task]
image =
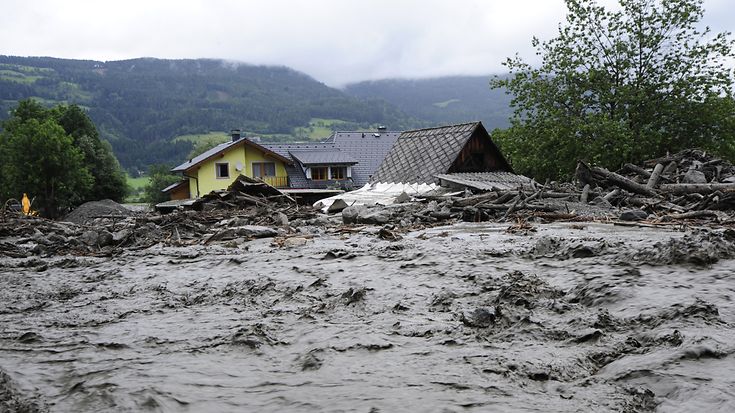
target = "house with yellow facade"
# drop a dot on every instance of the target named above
(218, 167)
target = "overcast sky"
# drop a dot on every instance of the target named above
(335, 41)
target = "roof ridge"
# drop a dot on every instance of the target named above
(444, 126)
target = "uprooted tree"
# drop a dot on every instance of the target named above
(619, 86)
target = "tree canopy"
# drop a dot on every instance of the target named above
(161, 177)
(620, 85)
(55, 156)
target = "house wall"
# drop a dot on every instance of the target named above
(180, 192)
(479, 155)
(206, 173)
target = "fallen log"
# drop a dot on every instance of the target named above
(585, 194)
(653, 179)
(654, 202)
(623, 182)
(702, 189)
(693, 214)
(629, 167)
(603, 177)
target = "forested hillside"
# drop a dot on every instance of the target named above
(441, 100)
(140, 105)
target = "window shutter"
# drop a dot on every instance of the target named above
(308, 173)
(349, 172)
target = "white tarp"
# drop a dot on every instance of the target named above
(380, 193)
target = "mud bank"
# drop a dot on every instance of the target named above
(467, 317)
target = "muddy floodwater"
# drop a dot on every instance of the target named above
(568, 317)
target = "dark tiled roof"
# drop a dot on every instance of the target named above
(331, 157)
(368, 149)
(420, 154)
(283, 149)
(225, 146)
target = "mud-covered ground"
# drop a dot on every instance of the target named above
(468, 317)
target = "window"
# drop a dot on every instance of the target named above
(222, 170)
(339, 172)
(261, 169)
(319, 173)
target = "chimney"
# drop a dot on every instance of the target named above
(235, 135)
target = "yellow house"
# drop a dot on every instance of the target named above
(218, 167)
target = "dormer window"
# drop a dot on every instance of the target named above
(339, 172)
(319, 173)
(222, 170)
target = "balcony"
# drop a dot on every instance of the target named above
(275, 181)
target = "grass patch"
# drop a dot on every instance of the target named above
(27, 69)
(446, 103)
(137, 188)
(18, 77)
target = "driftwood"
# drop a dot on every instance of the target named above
(636, 169)
(585, 194)
(679, 189)
(694, 214)
(662, 194)
(623, 182)
(655, 176)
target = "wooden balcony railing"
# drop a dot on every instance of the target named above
(275, 181)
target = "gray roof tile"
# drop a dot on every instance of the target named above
(317, 157)
(367, 149)
(420, 154)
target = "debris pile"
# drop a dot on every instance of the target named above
(90, 211)
(688, 185)
(248, 209)
(243, 192)
(550, 202)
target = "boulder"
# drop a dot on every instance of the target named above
(694, 176)
(351, 214)
(633, 215)
(119, 236)
(375, 217)
(281, 219)
(95, 238)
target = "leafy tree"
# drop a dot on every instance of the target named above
(27, 160)
(109, 178)
(161, 177)
(41, 160)
(620, 86)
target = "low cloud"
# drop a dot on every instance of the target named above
(334, 41)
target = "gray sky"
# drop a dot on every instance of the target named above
(335, 41)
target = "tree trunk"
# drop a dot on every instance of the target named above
(680, 189)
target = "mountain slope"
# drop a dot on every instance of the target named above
(441, 100)
(140, 104)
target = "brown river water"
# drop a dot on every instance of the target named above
(468, 317)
